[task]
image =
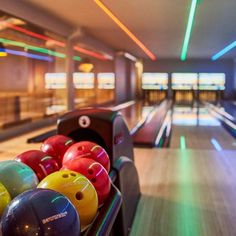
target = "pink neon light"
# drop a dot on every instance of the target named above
(93, 54)
(39, 36)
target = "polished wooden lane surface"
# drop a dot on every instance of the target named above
(186, 193)
(200, 129)
(199, 137)
(136, 113)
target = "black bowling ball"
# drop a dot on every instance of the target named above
(40, 212)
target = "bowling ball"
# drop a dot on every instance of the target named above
(89, 150)
(40, 212)
(95, 172)
(17, 177)
(78, 189)
(40, 162)
(56, 146)
(5, 198)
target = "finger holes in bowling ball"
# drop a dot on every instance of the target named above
(90, 171)
(80, 148)
(72, 174)
(93, 180)
(65, 175)
(79, 196)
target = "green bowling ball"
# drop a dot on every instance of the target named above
(17, 177)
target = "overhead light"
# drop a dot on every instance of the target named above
(90, 53)
(224, 51)
(50, 41)
(3, 52)
(125, 29)
(33, 48)
(85, 66)
(28, 55)
(35, 35)
(77, 58)
(127, 55)
(37, 49)
(188, 30)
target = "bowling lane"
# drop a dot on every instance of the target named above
(195, 128)
(186, 193)
(134, 113)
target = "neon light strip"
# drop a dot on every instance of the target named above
(29, 55)
(90, 53)
(188, 30)
(216, 144)
(182, 143)
(37, 49)
(33, 48)
(43, 37)
(77, 58)
(35, 35)
(125, 29)
(224, 50)
(3, 52)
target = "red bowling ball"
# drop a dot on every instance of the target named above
(56, 146)
(95, 172)
(39, 162)
(89, 150)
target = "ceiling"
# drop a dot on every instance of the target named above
(159, 24)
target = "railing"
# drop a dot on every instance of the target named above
(20, 108)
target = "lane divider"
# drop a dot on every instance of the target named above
(165, 124)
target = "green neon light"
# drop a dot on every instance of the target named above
(182, 142)
(33, 48)
(37, 49)
(188, 30)
(77, 58)
(46, 51)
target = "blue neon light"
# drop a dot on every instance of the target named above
(26, 54)
(216, 144)
(223, 51)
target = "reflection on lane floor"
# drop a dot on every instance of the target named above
(196, 128)
(135, 113)
(187, 116)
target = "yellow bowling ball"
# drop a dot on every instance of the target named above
(5, 198)
(78, 189)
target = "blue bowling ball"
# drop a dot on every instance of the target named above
(40, 212)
